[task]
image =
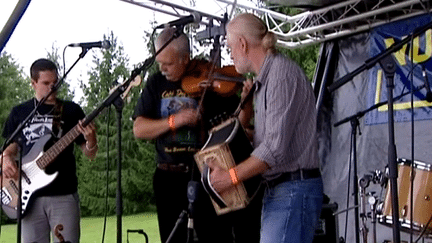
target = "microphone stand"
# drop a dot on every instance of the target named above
(14, 136)
(192, 194)
(389, 67)
(119, 104)
(354, 126)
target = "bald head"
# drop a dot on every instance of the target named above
(253, 29)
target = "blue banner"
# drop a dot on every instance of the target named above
(411, 60)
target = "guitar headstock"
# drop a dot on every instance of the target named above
(135, 82)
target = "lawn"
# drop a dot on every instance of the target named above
(91, 229)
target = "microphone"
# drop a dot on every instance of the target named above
(88, 45)
(427, 85)
(193, 18)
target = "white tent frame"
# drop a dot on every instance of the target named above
(310, 27)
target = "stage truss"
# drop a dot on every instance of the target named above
(305, 28)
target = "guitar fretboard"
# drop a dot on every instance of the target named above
(57, 148)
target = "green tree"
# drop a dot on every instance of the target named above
(15, 88)
(65, 91)
(99, 177)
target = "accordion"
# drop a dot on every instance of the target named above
(227, 145)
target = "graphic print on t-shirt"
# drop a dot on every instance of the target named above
(172, 105)
(39, 126)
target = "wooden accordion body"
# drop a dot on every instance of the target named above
(227, 145)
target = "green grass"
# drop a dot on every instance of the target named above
(91, 229)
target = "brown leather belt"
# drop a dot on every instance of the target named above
(183, 168)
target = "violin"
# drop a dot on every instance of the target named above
(224, 81)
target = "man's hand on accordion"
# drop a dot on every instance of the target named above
(219, 177)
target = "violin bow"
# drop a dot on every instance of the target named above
(210, 80)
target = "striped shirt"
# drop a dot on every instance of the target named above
(285, 118)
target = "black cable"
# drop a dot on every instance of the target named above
(348, 193)
(424, 230)
(412, 143)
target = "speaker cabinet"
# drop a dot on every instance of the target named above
(327, 228)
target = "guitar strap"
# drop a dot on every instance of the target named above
(57, 130)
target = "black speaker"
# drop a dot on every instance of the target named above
(327, 228)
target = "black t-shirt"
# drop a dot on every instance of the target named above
(161, 98)
(38, 130)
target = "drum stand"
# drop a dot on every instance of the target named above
(363, 183)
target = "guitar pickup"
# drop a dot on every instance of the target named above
(5, 196)
(26, 178)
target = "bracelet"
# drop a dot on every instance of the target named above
(92, 148)
(234, 176)
(171, 122)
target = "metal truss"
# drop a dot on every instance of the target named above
(337, 20)
(309, 26)
(175, 9)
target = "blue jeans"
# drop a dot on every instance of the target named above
(291, 211)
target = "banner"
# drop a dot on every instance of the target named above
(410, 60)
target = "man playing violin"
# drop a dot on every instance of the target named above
(178, 122)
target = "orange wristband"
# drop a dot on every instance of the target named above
(171, 122)
(233, 175)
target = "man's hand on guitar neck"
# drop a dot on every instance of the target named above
(90, 147)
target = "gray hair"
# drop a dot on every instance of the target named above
(181, 43)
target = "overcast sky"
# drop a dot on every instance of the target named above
(62, 22)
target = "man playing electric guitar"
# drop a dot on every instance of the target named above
(54, 199)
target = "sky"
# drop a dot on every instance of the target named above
(61, 22)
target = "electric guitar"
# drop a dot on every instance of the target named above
(33, 176)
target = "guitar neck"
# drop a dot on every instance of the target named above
(57, 148)
(67, 139)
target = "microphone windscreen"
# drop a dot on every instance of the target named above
(106, 44)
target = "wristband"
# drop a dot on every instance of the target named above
(234, 177)
(171, 122)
